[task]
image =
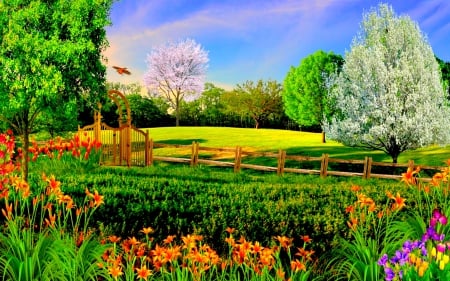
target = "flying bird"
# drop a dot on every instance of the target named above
(121, 70)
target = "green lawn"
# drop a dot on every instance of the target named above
(294, 142)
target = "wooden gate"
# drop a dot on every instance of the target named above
(125, 145)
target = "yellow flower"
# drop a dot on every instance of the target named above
(147, 230)
(422, 268)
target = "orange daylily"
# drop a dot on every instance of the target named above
(364, 200)
(229, 230)
(409, 177)
(115, 271)
(399, 202)
(280, 273)
(147, 230)
(285, 242)
(355, 188)
(305, 238)
(113, 239)
(171, 254)
(297, 266)
(143, 272)
(256, 247)
(169, 239)
(353, 223)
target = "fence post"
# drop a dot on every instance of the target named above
(115, 148)
(411, 164)
(367, 167)
(197, 148)
(324, 165)
(281, 162)
(237, 159)
(194, 155)
(150, 152)
(146, 149)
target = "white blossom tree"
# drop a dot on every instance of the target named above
(388, 95)
(176, 72)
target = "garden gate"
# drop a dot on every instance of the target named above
(125, 145)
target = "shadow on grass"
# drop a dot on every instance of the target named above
(341, 152)
(182, 141)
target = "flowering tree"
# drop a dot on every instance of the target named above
(176, 71)
(389, 94)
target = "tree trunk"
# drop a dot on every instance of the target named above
(177, 114)
(324, 140)
(394, 159)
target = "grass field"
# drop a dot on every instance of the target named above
(294, 142)
(271, 140)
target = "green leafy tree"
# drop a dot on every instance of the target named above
(305, 94)
(212, 105)
(126, 89)
(445, 71)
(259, 100)
(144, 112)
(50, 54)
(389, 94)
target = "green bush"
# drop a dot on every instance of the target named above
(203, 200)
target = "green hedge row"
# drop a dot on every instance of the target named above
(180, 201)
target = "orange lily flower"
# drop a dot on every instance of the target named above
(113, 239)
(297, 265)
(229, 230)
(409, 176)
(399, 202)
(147, 230)
(143, 272)
(98, 199)
(115, 271)
(305, 238)
(285, 242)
(169, 239)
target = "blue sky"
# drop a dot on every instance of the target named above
(254, 39)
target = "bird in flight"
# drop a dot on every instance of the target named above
(121, 70)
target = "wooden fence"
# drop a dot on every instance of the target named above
(360, 168)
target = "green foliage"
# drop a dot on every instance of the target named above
(306, 87)
(144, 112)
(259, 101)
(445, 71)
(177, 201)
(50, 54)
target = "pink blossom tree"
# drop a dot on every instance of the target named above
(176, 72)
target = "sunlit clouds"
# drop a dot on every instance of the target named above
(251, 40)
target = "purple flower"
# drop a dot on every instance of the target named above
(408, 246)
(400, 257)
(432, 234)
(383, 260)
(390, 274)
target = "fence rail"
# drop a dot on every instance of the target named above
(235, 160)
